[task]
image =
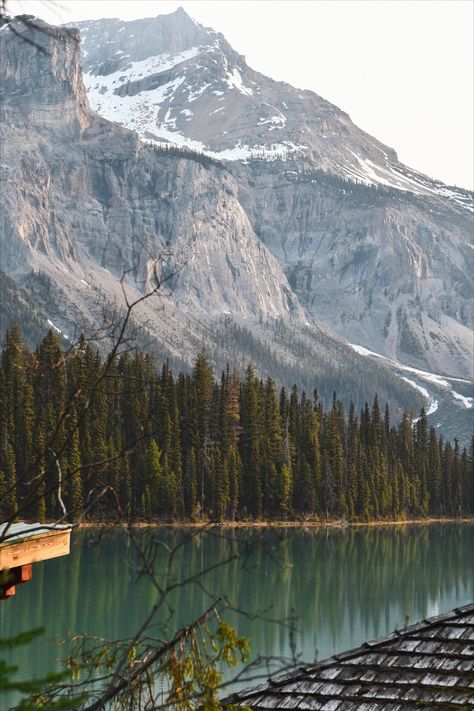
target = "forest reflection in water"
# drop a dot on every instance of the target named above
(342, 586)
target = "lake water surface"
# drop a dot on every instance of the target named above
(342, 587)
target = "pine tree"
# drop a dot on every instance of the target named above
(39, 490)
(9, 504)
(234, 468)
(73, 481)
(336, 460)
(434, 473)
(251, 444)
(154, 478)
(191, 485)
(4, 506)
(284, 493)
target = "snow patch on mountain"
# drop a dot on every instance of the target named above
(108, 93)
(277, 121)
(55, 328)
(193, 95)
(433, 404)
(370, 173)
(58, 330)
(436, 380)
(144, 68)
(268, 151)
(468, 402)
(361, 350)
(234, 80)
(136, 112)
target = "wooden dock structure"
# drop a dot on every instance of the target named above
(21, 545)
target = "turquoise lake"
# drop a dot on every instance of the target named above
(340, 587)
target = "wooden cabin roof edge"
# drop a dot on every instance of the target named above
(302, 672)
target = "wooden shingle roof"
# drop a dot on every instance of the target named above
(429, 665)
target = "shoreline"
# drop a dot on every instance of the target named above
(311, 523)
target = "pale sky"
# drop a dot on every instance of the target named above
(402, 69)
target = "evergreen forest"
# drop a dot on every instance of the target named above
(114, 436)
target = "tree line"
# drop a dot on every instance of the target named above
(145, 444)
(306, 356)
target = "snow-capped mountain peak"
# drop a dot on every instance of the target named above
(174, 81)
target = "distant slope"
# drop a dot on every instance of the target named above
(18, 306)
(449, 402)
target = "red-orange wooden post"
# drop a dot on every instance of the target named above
(7, 584)
(23, 573)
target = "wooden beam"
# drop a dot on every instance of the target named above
(17, 553)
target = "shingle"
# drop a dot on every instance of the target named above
(385, 693)
(328, 689)
(408, 645)
(428, 665)
(268, 702)
(467, 620)
(312, 687)
(296, 686)
(417, 694)
(291, 702)
(311, 703)
(329, 673)
(368, 675)
(466, 665)
(332, 705)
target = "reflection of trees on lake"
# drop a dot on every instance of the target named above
(344, 586)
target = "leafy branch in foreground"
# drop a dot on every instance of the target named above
(184, 673)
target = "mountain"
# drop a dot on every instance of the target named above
(170, 78)
(378, 252)
(93, 214)
(134, 208)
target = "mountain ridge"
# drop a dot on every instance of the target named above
(209, 41)
(400, 259)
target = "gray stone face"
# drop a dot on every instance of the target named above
(43, 86)
(387, 270)
(84, 195)
(376, 251)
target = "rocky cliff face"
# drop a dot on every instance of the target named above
(378, 252)
(102, 201)
(42, 87)
(382, 268)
